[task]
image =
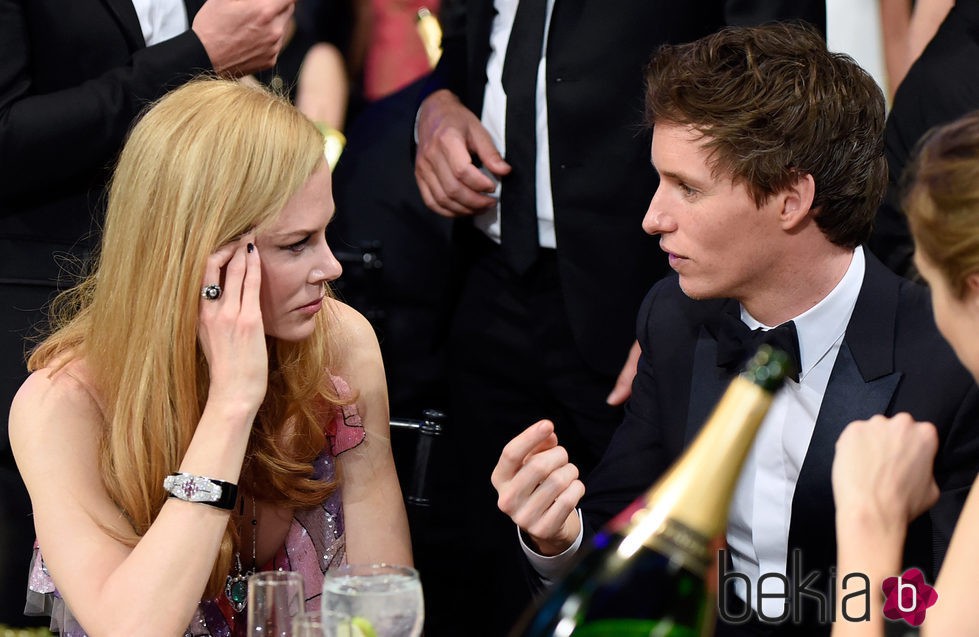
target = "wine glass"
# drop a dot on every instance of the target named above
(274, 598)
(385, 596)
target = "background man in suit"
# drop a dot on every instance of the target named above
(556, 272)
(771, 167)
(73, 77)
(942, 85)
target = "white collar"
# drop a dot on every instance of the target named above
(822, 325)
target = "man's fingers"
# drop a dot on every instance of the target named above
(437, 188)
(545, 444)
(458, 196)
(463, 169)
(516, 451)
(479, 140)
(549, 524)
(537, 470)
(548, 490)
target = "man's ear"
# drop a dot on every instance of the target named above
(796, 201)
(972, 287)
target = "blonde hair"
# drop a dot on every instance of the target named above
(208, 162)
(942, 200)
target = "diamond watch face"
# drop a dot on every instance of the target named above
(193, 488)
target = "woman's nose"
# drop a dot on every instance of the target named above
(329, 269)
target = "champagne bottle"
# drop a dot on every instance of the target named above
(645, 573)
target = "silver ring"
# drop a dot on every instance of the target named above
(211, 292)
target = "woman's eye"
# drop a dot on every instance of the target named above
(299, 245)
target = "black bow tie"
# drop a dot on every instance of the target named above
(735, 342)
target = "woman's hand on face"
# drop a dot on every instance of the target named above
(231, 332)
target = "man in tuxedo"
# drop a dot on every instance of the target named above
(555, 264)
(769, 152)
(73, 77)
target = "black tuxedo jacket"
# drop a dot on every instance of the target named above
(73, 78)
(892, 359)
(599, 145)
(942, 85)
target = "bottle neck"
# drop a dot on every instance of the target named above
(689, 505)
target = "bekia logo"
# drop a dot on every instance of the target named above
(907, 597)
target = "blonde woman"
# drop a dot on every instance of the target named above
(882, 473)
(205, 351)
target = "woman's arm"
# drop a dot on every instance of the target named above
(152, 588)
(323, 88)
(954, 613)
(373, 508)
(882, 479)
(55, 424)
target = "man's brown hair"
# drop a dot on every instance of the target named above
(773, 104)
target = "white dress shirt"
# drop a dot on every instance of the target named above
(161, 19)
(494, 119)
(761, 508)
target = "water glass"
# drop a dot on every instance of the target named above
(387, 597)
(274, 599)
(319, 624)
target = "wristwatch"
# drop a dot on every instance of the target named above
(191, 488)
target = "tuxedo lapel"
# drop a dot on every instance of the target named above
(125, 14)
(708, 380)
(862, 384)
(848, 397)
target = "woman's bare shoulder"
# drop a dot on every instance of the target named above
(53, 396)
(351, 327)
(354, 337)
(358, 355)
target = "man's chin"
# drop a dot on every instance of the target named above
(697, 290)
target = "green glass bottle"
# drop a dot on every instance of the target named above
(645, 573)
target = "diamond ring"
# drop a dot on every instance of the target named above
(211, 292)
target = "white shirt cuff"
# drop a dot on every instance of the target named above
(550, 567)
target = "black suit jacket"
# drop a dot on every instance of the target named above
(599, 146)
(941, 86)
(892, 359)
(73, 78)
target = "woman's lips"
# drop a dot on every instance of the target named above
(311, 308)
